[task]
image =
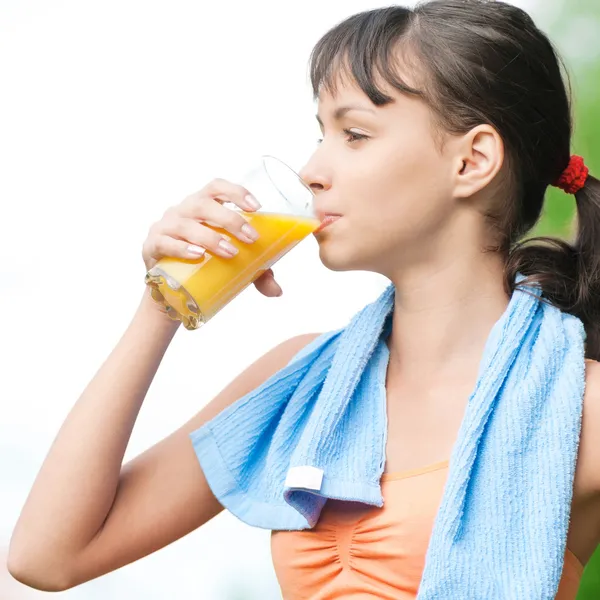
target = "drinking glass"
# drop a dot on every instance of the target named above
(195, 290)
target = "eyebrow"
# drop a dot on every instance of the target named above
(342, 110)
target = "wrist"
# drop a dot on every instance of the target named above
(154, 314)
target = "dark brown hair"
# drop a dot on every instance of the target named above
(486, 62)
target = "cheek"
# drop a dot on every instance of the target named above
(399, 211)
(403, 164)
(410, 189)
(392, 197)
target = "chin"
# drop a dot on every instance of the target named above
(341, 252)
(335, 259)
(338, 257)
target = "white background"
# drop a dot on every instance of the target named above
(110, 112)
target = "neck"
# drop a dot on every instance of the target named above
(443, 315)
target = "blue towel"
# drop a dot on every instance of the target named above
(317, 429)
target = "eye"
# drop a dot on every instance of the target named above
(352, 135)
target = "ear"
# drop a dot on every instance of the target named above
(479, 158)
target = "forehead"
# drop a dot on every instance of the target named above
(331, 103)
(341, 88)
(343, 96)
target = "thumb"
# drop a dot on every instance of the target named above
(267, 285)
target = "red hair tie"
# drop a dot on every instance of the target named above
(574, 176)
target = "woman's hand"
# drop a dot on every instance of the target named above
(181, 232)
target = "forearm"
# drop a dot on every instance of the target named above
(76, 486)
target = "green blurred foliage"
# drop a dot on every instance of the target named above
(571, 29)
(587, 143)
(584, 74)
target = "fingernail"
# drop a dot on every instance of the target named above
(227, 247)
(249, 231)
(196, 250)
(252, 201)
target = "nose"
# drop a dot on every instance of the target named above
(315, 178)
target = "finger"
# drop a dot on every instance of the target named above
(227, 191)
(196, 234)
(162, 246)
(209, 211)
(267, 285)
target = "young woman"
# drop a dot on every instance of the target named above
(442, 127)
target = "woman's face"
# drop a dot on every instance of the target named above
(393, 188)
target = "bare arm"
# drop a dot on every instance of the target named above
(76, 485)
(85, 515)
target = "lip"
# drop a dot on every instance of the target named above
(321, 214)
(326, 220)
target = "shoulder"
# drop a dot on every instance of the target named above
(588, 463)
(295, 344)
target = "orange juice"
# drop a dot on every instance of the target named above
(194, 290)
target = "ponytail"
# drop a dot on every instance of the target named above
(567, 273)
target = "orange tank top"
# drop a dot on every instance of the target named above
(358, 551)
